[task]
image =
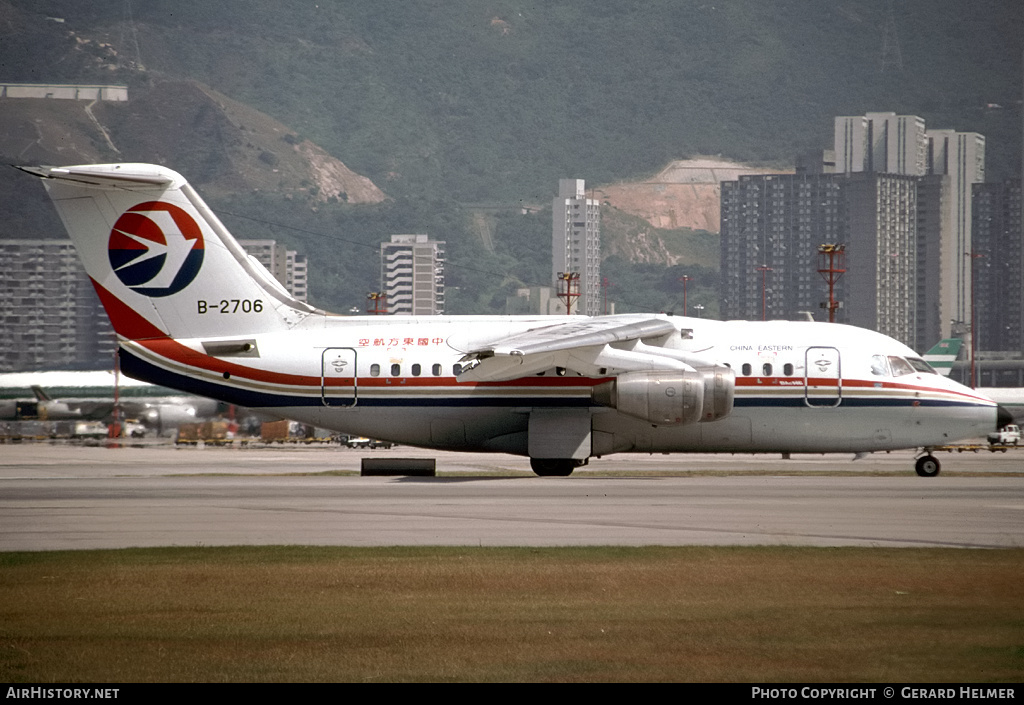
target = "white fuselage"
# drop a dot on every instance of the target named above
(800, 387)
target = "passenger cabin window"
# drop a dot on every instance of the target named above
(787, 369)
(416, 370)
(396, 370)
(456, 369)
(900, 366)
(375, 370)
(746, 369)
(436, 370)
(766, 369)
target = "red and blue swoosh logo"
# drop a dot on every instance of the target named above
(156, 248)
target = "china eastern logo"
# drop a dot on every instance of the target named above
(156, 248)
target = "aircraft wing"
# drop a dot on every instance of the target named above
(584, 345)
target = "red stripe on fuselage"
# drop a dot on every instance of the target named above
(823, 383)
(172, 350)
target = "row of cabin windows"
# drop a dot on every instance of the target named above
(766, 369)
(881, 365)
(416, 370)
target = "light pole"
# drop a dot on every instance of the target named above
(831, 266)
(974, 332)
(764, 269)
(685, 278)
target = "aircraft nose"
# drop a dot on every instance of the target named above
(1003, 417)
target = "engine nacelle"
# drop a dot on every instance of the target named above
(671, 397)
(663, 397)
(719, 391)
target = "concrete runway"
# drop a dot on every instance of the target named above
(70, 497)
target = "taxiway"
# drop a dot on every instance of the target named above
(67, 497)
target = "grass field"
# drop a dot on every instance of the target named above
(457, 614)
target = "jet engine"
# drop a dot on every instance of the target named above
(671, 397)
(719, 391)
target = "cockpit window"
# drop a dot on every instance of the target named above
(900, 366)
(879, 366)
(921, 366)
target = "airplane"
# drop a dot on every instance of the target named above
(89, 396)
(193, 312)
(42, 408)
(945, 353)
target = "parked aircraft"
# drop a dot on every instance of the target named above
(41, 408)
(89, 395)
(944, 354)
(192, 311)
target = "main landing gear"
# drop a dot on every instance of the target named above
(927, 466)
(555, 467)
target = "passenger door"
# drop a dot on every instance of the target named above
(338, 377)
(823, 378)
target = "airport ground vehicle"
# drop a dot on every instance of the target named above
(1008, 435)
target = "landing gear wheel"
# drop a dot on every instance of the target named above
(554, 467)
(927, 466)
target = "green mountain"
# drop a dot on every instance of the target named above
(442, 103)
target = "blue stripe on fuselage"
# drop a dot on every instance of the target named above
(138, 368)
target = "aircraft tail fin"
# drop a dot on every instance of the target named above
(40, 394)
(943, 355)
(162, 263)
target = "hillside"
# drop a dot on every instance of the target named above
(685, 194)
(496, 101)
(221, 145)
(304, 116)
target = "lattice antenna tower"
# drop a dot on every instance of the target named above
(892, 57)
(129, 55)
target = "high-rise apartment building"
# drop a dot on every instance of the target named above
(771, 229)
(961, 157)
(287, 266)
(881, 142)
(576, 243)
(900, 200)
(881, 255)
(899, 144)
(412, 275)
(998, 267)
(936, 263)
(52, 317)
